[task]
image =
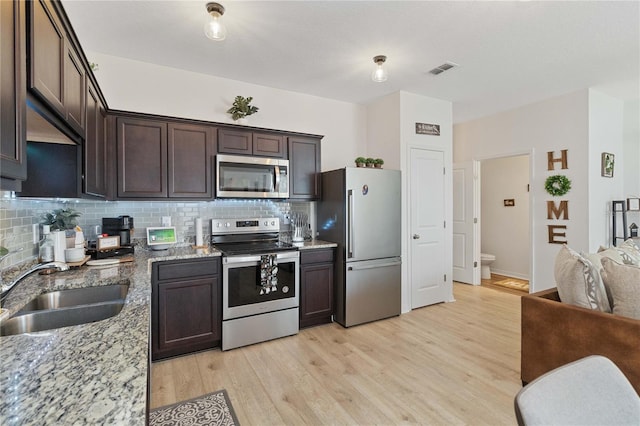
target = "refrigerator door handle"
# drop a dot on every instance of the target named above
(378, 265)
(350, 224)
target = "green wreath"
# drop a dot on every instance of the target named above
(557, 185)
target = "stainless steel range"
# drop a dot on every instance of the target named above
(260, 281)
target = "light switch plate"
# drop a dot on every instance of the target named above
(166, 220)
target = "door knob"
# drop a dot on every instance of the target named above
(416, 236)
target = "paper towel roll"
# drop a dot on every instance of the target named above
(199, 241)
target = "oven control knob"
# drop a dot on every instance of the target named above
(273, 223)
(218, 224)
(285, 289)
(227, 225)
(266, 222)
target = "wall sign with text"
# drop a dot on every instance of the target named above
(556, 233)
(427, 129)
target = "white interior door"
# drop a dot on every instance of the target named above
(466, 261)
(428, 248)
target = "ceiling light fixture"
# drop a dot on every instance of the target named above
(379, 74)
(215, 29)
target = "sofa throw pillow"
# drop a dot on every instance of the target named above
(630, 253)
(579, 282)
(611, 253)
(623, 281)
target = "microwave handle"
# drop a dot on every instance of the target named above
(277, 170)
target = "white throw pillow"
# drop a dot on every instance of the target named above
(623, 281)
(630, 253)
(579, 282)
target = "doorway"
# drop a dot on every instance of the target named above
(504, 227)
(492, 215)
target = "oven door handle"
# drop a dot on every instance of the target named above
(255, 258)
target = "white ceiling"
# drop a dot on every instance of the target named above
(511, 53)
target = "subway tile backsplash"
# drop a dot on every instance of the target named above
(17, 217)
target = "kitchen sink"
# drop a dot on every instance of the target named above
(58, 318)
(76, 297)
(65, 308)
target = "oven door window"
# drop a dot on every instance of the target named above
(246, 177)
(244, 284)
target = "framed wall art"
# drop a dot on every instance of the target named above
(608, 162)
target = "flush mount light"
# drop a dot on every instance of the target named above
(214, 29)
(379, 74)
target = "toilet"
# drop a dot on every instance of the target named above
(485, 261)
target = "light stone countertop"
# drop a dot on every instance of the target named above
(87, 374)
(92, 373)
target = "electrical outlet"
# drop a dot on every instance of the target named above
(36, 233)
(166, 220)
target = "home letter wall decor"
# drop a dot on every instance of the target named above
(562, 160)
(557, 234)
(563, 209)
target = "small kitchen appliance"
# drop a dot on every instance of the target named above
(161, 237)
(240, 176)
(115, 239)
(121, 225)
(260, 281)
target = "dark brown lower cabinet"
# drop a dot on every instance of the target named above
(316, 286)
(186, 307)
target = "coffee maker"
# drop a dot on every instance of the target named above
(121, 226)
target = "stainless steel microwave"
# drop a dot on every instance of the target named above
(251, 177)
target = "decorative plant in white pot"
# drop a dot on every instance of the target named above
(242, 108)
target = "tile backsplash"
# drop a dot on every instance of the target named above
(17, 217)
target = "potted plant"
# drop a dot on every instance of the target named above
(242, 108)
(378, 162)
(360, 161)
(63, 220)
(370, 161)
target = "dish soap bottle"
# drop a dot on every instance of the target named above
(46, 248)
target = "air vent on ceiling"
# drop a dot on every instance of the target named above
(442, 68)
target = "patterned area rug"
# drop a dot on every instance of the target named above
(212, 409)
(514, 284)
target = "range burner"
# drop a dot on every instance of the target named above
(253, 247)
(248, 236)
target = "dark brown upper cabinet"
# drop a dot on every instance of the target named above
(160, 159)
(142, 158)
(191, 153)
(304, 165)
(13, 162)
(56, 75)
(244, 142)
(95, 146)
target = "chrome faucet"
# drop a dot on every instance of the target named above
(6, 288)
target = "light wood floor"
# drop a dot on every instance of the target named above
(451, 363)
(496, 277)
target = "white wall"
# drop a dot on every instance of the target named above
(631, 142)
(551, 125)
(505, 230)
(605, 135)
(142, 87)
(383, 130)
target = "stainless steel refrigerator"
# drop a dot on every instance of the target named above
(360, 210)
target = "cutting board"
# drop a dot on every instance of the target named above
(79, 263)
(110, 261)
